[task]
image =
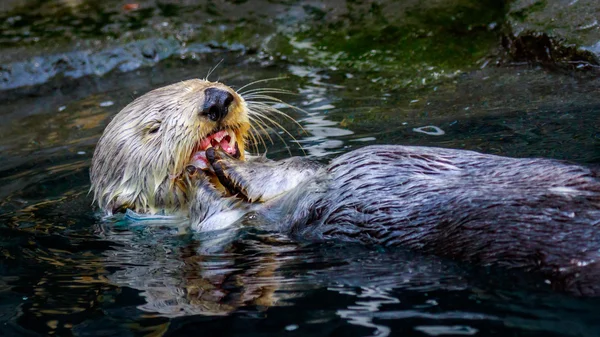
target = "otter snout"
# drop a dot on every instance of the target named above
(216, 104)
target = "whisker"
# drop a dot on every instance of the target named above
(261, 81)
(267, 90)
(276, 133)
(250, 91)
(210, 71)
(260, 125)
(263, 126)
(259, 113)
(254, 141)
(271, 109)
(260, 108)
(277, 100)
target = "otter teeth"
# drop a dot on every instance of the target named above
(221, 139)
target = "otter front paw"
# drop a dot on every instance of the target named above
(210, 209)
(224, 167)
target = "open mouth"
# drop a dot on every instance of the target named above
(222, 139)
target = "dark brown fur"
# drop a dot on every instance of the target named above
(534, 214)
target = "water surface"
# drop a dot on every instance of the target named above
(65, 270)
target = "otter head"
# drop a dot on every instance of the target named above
(140, 160)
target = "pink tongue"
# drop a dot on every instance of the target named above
(205, 143)
(226, 146)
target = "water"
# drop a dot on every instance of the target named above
(64, 270)
(67, 271)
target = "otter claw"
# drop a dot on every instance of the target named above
(217, 161)
(211, 155)
(194, 171)
(214, 154)
(191, 169)
(237, 152)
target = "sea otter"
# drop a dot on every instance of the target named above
(179, 150)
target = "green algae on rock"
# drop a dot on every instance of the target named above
(391, 44)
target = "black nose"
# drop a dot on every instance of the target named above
(216, 103)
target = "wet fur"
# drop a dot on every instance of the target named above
(139, 160)
(534, 214)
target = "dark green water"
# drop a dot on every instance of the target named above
(66, 271)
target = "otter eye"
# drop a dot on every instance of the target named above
(154, 128)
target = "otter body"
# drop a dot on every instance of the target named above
(179, 150)
(535, 214)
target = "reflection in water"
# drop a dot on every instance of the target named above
(431, 130)
(324, 133)
(371, 300)
(208, 274)
(323, 138)
(177, 276)
(438, 330)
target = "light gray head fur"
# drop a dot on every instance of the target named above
(139, 160)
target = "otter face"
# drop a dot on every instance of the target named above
(140, 159)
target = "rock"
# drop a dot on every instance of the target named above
(554, 31)
(394, 44)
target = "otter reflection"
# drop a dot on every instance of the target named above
(254, 272)
(220, 274)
